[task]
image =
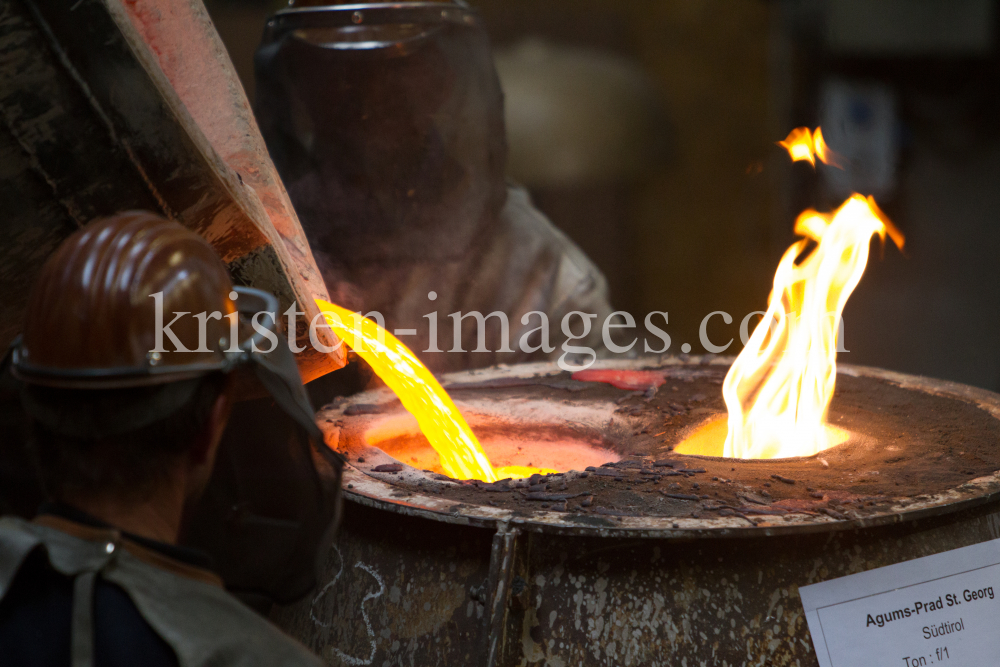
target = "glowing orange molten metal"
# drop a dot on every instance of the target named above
(462, 457)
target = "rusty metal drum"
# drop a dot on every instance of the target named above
(432, 571)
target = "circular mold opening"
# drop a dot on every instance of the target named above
(709, 439)
(511, 450)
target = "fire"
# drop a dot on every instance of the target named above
(779, 389)
(462, 457)
(802, 144)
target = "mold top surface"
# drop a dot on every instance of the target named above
(915, 444)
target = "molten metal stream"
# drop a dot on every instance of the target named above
(462, 457)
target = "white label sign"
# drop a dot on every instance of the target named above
(939, 610)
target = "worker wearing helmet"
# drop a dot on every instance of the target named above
(130, 365)
(386, 124)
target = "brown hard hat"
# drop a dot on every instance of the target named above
(92, 317)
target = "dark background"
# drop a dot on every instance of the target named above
(679, 194)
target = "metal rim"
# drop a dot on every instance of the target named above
(373, 492)
(343, 16)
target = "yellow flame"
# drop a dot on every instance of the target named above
(802, 144)
(462, 457)
(780, 387)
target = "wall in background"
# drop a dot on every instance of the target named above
(698, 229)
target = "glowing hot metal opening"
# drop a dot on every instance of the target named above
(542, 450)
(709, 439)
(461, 455)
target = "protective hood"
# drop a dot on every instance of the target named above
(386, 125)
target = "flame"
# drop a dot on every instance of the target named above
(802, 144)
(780, 387)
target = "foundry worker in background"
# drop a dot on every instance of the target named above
(386, 125)
(125, 440)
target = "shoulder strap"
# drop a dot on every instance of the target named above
(202, 623)
(82, 628)
(82, 560)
